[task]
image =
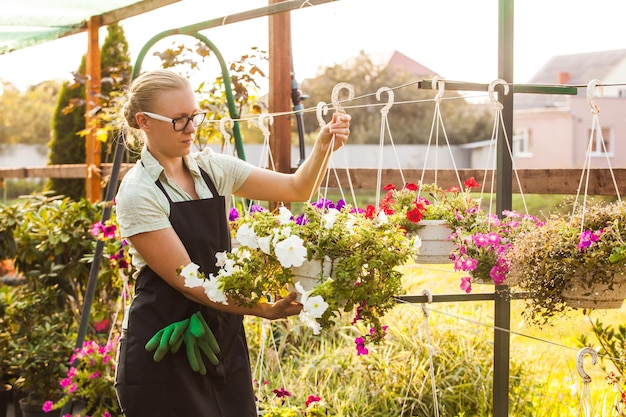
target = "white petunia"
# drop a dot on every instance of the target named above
(315, 306)
(213, 288)
(247, 236)
(284, 215)
(417, 243)
(229, 266)
(309, 321)
(328, 219)
(221, 258)
(291, 251)
(265, 244)
(350, 222)
(382, 216)
(191, 276)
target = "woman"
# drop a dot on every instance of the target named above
(171, 208)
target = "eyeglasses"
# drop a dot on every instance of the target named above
(180, 123)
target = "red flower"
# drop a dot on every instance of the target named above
(471, 183)
(411, 186)
(101, 326)
(370, 211)
(281, 392)
(312, 399)
(389, 187)
(414, 215)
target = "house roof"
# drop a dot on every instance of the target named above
(581, 68)
(395, 60)
(575, 69)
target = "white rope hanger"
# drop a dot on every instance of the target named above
(437, 124)
(431, 353)
(498, 123)
(596, 133)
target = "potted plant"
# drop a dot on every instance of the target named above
(363, 252)
(88, 384)
(481, 247)
(431, 213)
(575, 261)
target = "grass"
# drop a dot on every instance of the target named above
(395, 376)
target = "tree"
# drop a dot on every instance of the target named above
(410, 119)
(69, 126)
(25, 116)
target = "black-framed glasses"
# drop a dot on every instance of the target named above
(180, 123)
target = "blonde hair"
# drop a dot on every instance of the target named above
(141, 94)
(146, 88)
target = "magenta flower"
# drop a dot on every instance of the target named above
(480, 240)
(360, 346)
(587, 238)
(466, 284)
(233, 214)
(493, 238)
(47, 406)
(465, 264)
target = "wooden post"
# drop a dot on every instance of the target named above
(280, 87)
(93, 187)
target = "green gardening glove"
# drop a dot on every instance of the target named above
(199, 339)
(168, 338)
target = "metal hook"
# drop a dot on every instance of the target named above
(270, 121)
(591, 87)
(223, 122)
(335, 95)
(429, 295)
(581, 360)
(390, 97)
(491, 90)
(321, 109)
(438, 83)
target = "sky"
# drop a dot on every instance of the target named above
(457, 39)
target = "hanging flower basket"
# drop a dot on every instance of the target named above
(600, 295)
(436, 245)
(352, 256)
(430, 213)
(311, 273)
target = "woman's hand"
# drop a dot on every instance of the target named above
(339, 127)
(282, 308)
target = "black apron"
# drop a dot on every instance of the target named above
(170, 388)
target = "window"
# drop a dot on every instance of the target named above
(521, 142)
(601, 143)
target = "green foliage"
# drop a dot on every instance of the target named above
(51, 242)
(612, 344)
(25, 116)
(42, 337)
(411, 121)
(245, 75)
(394, 378)
(67, 145)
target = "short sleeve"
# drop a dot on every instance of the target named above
(140, 205)
(228, 172)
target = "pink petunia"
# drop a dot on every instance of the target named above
(466, 284)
